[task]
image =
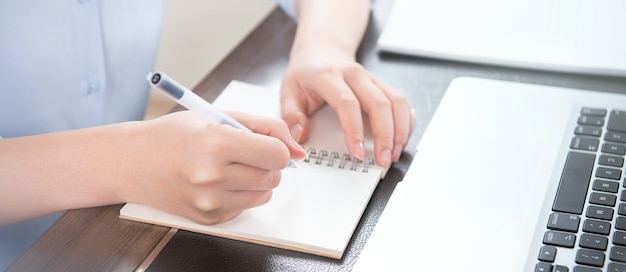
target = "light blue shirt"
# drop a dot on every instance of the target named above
(69, 64)
(75, 64)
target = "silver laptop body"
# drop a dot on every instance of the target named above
(480, 192)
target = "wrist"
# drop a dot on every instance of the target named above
(321, 50)
(131, 161)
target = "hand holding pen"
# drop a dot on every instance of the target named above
(209, 172)
(195, 103)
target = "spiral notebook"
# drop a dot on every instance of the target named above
(317, 205)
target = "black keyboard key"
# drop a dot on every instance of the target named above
(603, 199)
(619, 238)
(617, 121)
(620, 223)
(558, 238)
(588, 131)
(605, 185)
(547, 254)
(609, 160)
(590, 257)
(585, 269)
(560, 268)
(565, 222)
(593, 241)
(591, 120)
(618, 254)
(543, 267)
(597, 226)
(613, 136)
(593, 111)
(599, 212)
(621, 210)
(609, 173)
(585, 143)
(618, 149)
(575, 179)
(616, 267)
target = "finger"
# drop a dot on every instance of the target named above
(205, 217)
(340, 97)
(272, 127)
(213, 208)
(403, 117)
(380, 111)
(229, 201)
(294, 111)
(240, 177)
(257, 150)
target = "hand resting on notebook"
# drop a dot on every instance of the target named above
(323, 69)
(178, 163)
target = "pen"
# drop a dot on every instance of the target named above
(195, 103)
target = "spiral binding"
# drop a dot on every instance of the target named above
(318, 158)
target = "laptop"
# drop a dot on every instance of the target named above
(579, 36)
(510, 177)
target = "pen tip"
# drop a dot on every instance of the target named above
(292, 164)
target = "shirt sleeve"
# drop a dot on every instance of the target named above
(289, 7)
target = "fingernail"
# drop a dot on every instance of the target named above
(359, 151)
(397, 151)
(296, 145)
(385, 157)
(296, 132)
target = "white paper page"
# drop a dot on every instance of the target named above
(312, 210)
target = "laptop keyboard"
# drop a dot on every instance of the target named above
(586, 231)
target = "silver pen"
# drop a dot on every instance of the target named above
(195, 103)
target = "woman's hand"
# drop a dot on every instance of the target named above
(323, 69)
(210, 173)
(319, 74)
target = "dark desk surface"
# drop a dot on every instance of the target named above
(96, 240)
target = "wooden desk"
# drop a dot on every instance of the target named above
(96, 240)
